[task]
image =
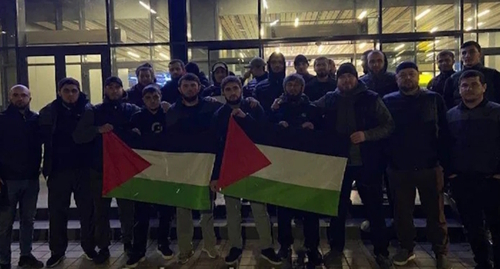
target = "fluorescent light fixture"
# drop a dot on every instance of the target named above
(265, 4)
(320, 48)
(469, 19)
(261, 32)
(133, 54)
(163, 55)
(277, 49)
(3, 32)
(483, 13)
(401, 52)
(480, 24)
(362, 45)
(241, 55)
(274, 22)
(430, 54)
(425, 12)
(398, 58)
(399, 47)
(146, 6)
(296, 22)
(362, 15)
(468, 28)
(434, 29)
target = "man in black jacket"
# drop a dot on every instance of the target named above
(470, 52)
(170, 92)
(145, 76)
(415, 150)
(355, 112)
(258, 70)
(219, 72)
(445, 60)
(20, 157)
(378, 78)
(271, 88)
(113, 114)
(66, 165)
(301, 64)
(474, 168)
(322, 82)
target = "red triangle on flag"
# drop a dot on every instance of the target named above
(241, 156)
(120, 162)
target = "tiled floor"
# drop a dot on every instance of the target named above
(356, 255)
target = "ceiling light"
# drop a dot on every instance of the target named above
(241, 55)
(468, 28)
(362, 15)
(401, 52)
(362, 45)
(296, 22)
(430, 54)
(133, 54)
(188, 35)
(3, 32)
(398, 58)
(469, 19)
(320, 48)
(480, 24)
(146, 6)
(163, 55)
(399, 47)
(265, 4)
(277, 50)
(274, 22)
(261, 32)
(483, 13)
(433, 29)
(425, 12)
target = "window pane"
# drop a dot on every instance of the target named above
(402, 16)
(490, 40)
(144, 21)
(41, 79)
(125, 60)
(49, 22)
(487, 14)
(222, 20)
(298, 18)
(87, 70)
(8, 75)
(492, 61)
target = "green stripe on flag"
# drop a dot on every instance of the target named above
(166, 193)
(258, 189)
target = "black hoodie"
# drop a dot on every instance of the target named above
(382, 83)
(170, 92)
(271, 88)
(437, 84)
(215, 89)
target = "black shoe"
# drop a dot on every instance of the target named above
(29, 261)
(128, 248)
(269, 255)
(314, 257)
(284, 253)
(54, 260)
(166, 253)
(5, 266)
(102, 256)
(384, 262)
(90, 255)
(233, 256)
(134, 260)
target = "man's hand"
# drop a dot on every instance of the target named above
(358, 137)
(106, 128)
(452, 176)
(165, 106)
(276, 104)
(253, 102)
(211, 99)
(237, 112)
(308, 125)
(213, 186)
(283, 123)
(137, 131)
(497, 176)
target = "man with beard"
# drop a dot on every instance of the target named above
(415, 151)
(297, 112)
(445, 60)
(470, 52)
(191, 115)
(219, 72)
(145, 76)
(236, 106)
(149, 123)
(170, 92)
(364, 62)
(355, 112)
(378, 79)
(301, 63)
(66, 165)
(258, 70)
(271, 88)
(20, 157)
(474, 167)
(322, 83)
(113, 114)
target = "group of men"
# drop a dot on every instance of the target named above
(397, 131)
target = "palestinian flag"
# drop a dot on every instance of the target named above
(171, 170)
(300, 169)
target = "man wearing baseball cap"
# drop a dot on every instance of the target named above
(258, 71)
(301, 63)
(415, 151)
(219, 72)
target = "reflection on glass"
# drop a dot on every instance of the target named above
(489, 40)
(41, 79)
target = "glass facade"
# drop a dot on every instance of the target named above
(91, 39)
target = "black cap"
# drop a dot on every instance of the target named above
(113, 80)
(300, 59)
(405, 65)
(151, 88)
(347, 68)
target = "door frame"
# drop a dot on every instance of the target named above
(59, 53)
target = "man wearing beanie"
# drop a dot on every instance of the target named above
(378, 79)
(415, 150)
(67, 166)
(145, 76)
(301, 63)
(271, 88)
(219, 72)
(355, 112)
(193, 68)
(114, 115)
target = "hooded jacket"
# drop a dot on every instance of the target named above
(170, 91)
(214, 89)
(193, 68)
(59, 129)
(271, 88)
(20, 145)
(437, 84)
(250, 86)
(382, 83)
(316, 89)
(452, 93)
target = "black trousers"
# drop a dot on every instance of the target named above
(61, 184)
(310, 225)
(478, 201)
(369, 186)
(143, 212)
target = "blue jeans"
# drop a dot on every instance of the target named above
(24, 192)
